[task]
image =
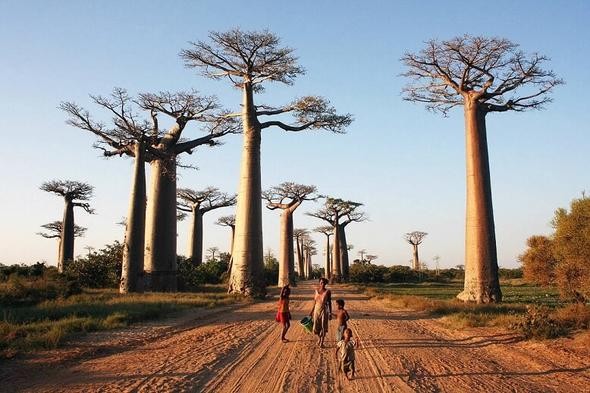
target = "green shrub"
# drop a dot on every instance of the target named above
(191, 276)
(99, 269)
(537, 322)
(19, 291)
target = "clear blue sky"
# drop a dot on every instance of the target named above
(405, 164)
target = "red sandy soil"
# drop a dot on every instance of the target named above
(238, 349)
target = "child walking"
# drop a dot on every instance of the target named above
(345, 354)
(342, 318)
(283, 314)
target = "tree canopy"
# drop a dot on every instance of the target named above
(493, 71)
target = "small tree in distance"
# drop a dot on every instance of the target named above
(288, 197)
(415, 239)
(484, 75)
(54, 230)
(74, 194)
(198, 203)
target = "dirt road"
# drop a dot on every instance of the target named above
(238, 350)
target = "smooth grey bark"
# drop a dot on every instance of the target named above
(133, 249)
(160, 249)
(248, 265)
(300, 267)
(344, 261)
(416, 263)
(328, 269)
(195, 239)
(481, 264)
(286, 253)
(336, 258)
(66, 252)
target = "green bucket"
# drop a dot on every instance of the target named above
(307, 324)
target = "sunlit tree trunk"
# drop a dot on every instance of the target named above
(328, 268)
(195, 239)
(416, 258)
(66, 252)
(133, 249)
(481, 265)
(286, 254)
(344, 263)
(248, 266)
(336, 271)
(160, 250)
(300, 258)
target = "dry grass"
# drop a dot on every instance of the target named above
(49, 323)
(520, 298)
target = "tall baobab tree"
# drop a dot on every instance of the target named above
(352, 216)
(74, 194)
(229, 221)
(249, 60)
(339, 213)
(415, 239)
(328, 231)
(54, 231)
(152, 246)
(298, 235)
(288, 197)
(484, 75)
(198, 203)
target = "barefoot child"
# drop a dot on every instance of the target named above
(342, 318)
(283, 314)
(345, 354)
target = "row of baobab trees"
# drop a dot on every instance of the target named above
(286, 197)
(483, 75)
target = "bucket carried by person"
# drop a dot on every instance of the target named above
(307, 324)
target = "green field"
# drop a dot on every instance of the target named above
(517, 293)
(535, 312)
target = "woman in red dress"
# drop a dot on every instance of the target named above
(283, 314)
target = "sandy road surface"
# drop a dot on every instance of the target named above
(238, 350)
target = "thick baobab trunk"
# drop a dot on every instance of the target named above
(328, 271)
(195, 239)
(344, 263)
(66, 252)
(133, 249)
(248, 267)
(160, 248)
(416, 259)
(481, 265)
(336, 271)
(286, 256)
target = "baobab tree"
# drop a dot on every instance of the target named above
(197, 203)
(298, 235)
(152, 246)
(339, 213)
(229, 221)
(212, 252)
(309, 249)
(74, 194)
(370, 258)
(328, 231)
(249, 60)
(288, 197)
(54, 231)
(415, 239)
(484, 75)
